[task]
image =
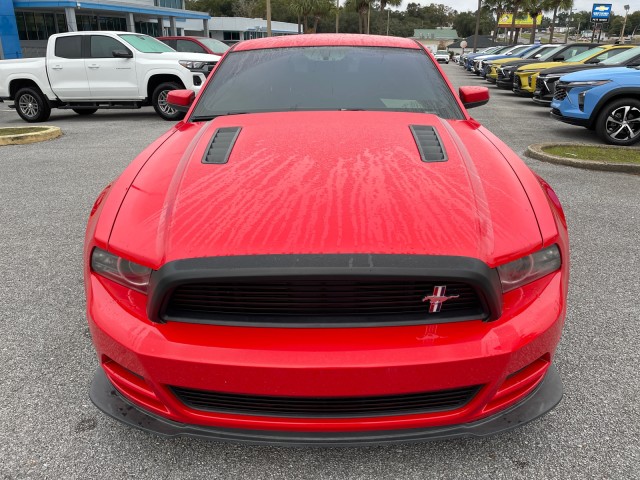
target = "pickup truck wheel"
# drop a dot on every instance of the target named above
(85, 111)
(619, 122)
(32, 106)
(159, 102)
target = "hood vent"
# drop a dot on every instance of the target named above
(429, 144)
(221, 145)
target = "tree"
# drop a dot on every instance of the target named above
(245, 8)
(557, 5)
(515, 7)
(498, 8)
(383, 5)
(534, 8)
(215, 8)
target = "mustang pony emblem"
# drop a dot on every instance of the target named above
(438, 298)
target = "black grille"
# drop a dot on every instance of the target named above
(560, 93)
(328, 407)
(308, 300)
(540, 83)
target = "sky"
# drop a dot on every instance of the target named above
(465, 5)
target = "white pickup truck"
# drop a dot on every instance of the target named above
(87, 71)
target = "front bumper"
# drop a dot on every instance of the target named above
(544, 100)
(557, 115)
(545, 397)
(507, 358)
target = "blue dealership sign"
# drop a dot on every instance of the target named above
(600, 12)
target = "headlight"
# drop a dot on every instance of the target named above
(191, 65)
(591, 83)
(119, 270)
(527, 269)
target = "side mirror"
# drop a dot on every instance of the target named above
(122, 54)
(559, 59)
(474, 96)
(537, 56)
(181, 100)
(593, 62)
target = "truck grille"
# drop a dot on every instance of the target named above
(328, 407)
(309, 300)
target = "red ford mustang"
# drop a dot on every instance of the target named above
(328, 249)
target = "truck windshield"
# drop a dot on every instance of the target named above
(327, 78)
(146, 44)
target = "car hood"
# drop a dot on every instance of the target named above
(563, 69)
(536, 67)
(326, 182)
(610, 73)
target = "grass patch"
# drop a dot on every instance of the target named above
(8, 131)
(596, 153)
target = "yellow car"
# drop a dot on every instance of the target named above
(524, 80)
(533, 56)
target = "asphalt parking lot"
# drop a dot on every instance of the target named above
(50, 429)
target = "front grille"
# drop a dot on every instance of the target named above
(327, 407)
(560, 93)
(312, 300)
(539, 83)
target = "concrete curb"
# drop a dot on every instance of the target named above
(22, 138)
(535, 151)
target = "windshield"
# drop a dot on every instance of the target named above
(551, 53)
(214, 45)
(534, 52)
(622, 57)
(517, 50)
(585, 55)
(327, 78)
(146, 44)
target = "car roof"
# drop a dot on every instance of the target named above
(325, 40)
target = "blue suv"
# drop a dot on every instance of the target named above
(605, 100)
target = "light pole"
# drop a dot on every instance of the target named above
(624, 24)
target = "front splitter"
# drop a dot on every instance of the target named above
(545, 397)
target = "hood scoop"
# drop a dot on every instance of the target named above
(429, 144)
(221, 144)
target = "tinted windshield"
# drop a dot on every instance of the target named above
(327, 78)
(585, 55)
(214, 45)
(551, 53)
(622, 57)
(146, 44)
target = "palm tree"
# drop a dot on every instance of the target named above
(515, 6)
(362, 7)
(534, 8)
(383, 5)
(557, 5)
(497, 7)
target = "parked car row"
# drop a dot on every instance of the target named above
(590, 85)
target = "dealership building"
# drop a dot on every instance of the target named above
(25, 25)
